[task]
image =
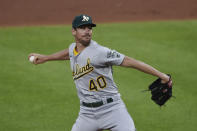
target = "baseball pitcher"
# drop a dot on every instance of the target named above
(101, 106)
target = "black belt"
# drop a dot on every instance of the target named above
(96, 104)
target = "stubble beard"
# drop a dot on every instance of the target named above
(85, 42)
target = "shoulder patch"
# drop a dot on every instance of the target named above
(113, 54)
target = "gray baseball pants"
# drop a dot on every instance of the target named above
(111, 116)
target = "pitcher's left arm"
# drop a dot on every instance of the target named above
(133, 63)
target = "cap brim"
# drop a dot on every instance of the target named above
(93, 25)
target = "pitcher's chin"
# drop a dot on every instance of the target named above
(86, 42)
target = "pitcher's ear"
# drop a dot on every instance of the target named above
(74, 31)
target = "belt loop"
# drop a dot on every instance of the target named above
(104, 101)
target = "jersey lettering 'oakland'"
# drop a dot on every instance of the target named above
(81, 71)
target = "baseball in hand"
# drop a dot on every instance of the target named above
(31, 58)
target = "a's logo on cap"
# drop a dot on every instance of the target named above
(85, 18)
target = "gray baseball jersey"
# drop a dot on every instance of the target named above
(92, 71)
(92, 74)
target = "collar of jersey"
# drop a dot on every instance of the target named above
(75, 51)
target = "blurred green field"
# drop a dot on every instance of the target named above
(44, 98)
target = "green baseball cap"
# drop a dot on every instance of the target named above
(82, 20)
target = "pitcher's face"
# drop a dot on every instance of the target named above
(83, 34)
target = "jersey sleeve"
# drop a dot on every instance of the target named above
(71, 47)
(110, 57)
